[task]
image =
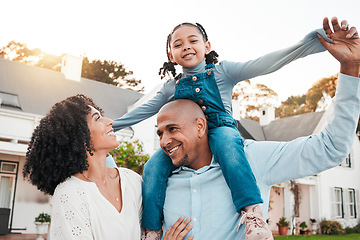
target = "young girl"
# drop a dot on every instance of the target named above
(210, 86)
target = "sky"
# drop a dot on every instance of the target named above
(134, 32)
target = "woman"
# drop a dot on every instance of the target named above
(66, 158)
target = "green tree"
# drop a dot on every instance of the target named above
(253, 96)
(16, 51)
(104, 71)
(130, 154)
(109, 72)
(309, 102)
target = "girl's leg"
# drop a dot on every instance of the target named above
(155, 176)
(227, 147)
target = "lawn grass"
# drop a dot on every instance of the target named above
(320, 237)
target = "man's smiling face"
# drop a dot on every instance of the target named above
(178, 137)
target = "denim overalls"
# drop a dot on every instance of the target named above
(225, 142)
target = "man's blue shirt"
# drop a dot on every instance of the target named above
(204, 196)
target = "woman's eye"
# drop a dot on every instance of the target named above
(97, 118)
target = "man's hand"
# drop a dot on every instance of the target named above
(346, 45)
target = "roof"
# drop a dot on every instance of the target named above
(289, 128)
(38, 89)
(250, 129)
(283, 129)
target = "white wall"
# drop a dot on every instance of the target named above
(343, 177)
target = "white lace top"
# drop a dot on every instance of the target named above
(80, 211)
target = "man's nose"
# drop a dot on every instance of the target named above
(165, 140)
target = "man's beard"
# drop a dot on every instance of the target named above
(184, 162)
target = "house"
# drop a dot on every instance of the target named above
(332, 194)
(27, 94)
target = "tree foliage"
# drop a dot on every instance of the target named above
(16, 51)
(104, 71)
(252, 97)
(130, 154)
(315, 99)
(109, 72)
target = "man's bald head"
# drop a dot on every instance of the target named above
(182, 129)
(183, 108)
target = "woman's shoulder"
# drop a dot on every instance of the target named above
(70, 188)
(130, 174)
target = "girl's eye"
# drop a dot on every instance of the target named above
(97, 118)
(193, 41)
(177, 45)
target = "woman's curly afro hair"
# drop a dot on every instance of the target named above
(59, 144)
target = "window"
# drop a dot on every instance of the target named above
(352, 205)
(8, 172)
(347, 161)
(156, 139)
(339, 208)
(8, 167)
(9, 100)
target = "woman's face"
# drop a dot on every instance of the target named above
(101, 131)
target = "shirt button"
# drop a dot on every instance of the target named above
(197, 90)
(194, 190)
(177, 82)
(195, 219)
(201, 101)
(203, 108)
(194, 78)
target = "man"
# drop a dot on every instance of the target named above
(197, 188)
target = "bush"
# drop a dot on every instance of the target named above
(282, 222)
(303, 225)
(331, 227)
(355, 229)
(130, 154)
(43, 217)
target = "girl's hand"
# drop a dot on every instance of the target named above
(179, 230)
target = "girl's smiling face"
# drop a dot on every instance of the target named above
(187, 46)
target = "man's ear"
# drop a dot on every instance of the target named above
(201, 127)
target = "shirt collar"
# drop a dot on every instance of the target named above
(213, 164)
(195, 70)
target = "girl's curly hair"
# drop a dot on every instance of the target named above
(59, 144)
(168, 67)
